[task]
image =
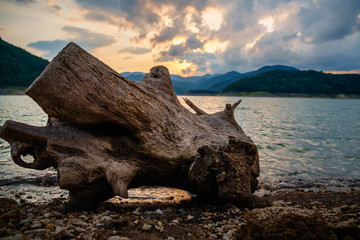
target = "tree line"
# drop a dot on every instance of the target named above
(307, 82)
(18, 68)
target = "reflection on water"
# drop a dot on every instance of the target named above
(302, 137)
(296, 138)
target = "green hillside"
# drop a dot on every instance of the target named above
(307, 82)
(18, 68)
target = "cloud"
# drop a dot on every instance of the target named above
(168, 33)
(55, 9)
(186, 71)
(51, 47)
(27, 2)
(330, 20)
(81, 36)
(254, 33)
(135, 50)
(194, 43)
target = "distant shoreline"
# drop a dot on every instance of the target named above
(292, 95)
(278, 95)
(12, 91)
(21, 91)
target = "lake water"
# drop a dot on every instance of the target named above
(302, 142)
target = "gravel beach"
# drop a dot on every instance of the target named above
(176, 215)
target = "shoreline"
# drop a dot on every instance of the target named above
(172, 217)
(281, 95)
(18, 91)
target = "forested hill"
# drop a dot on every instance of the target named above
(307, 82)
(18, 68)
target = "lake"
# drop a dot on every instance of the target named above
(302, 142)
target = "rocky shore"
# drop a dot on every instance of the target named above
(295, 214)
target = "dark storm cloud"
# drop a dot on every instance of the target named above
(193, 43)
(83, 37)
(175, 52)
(169, 33)
(330, 20)
(235, 56)
(335, 55)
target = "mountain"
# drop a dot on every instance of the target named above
(307, 82)
(269, 68)
(226, 80)
(18, 68)
(181, 84)
(135, 76)
(206, 83)
(209, 82)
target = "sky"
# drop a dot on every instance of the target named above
(192, 37)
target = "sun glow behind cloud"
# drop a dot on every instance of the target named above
(267, 22)
(212, 18)
(178, 40)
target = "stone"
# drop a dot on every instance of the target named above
(63, 234)
(117, 238)
(347, 228)
(146, 227)
(36, 225)
(158, 211)
(26, 220)
(279, 203)
(137, 211)
(4, 232)
(77, 222)
(169, 210)
(285, 223)
(9, 211)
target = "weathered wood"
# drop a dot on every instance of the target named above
(107, 133)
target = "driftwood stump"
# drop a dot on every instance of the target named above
(107, 133)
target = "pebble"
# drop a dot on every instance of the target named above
(279, 203)
(226, 237)
(79, 230)
(137, 211)
(336, 209)
(24, 221)
(105, 219)
(146, 227)
(36, 225)
(117, 238)
(83, 217)
(189, 217)
(346, 224)
(158, 211)
(182, 211)
(169, 210)
(77, 222)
